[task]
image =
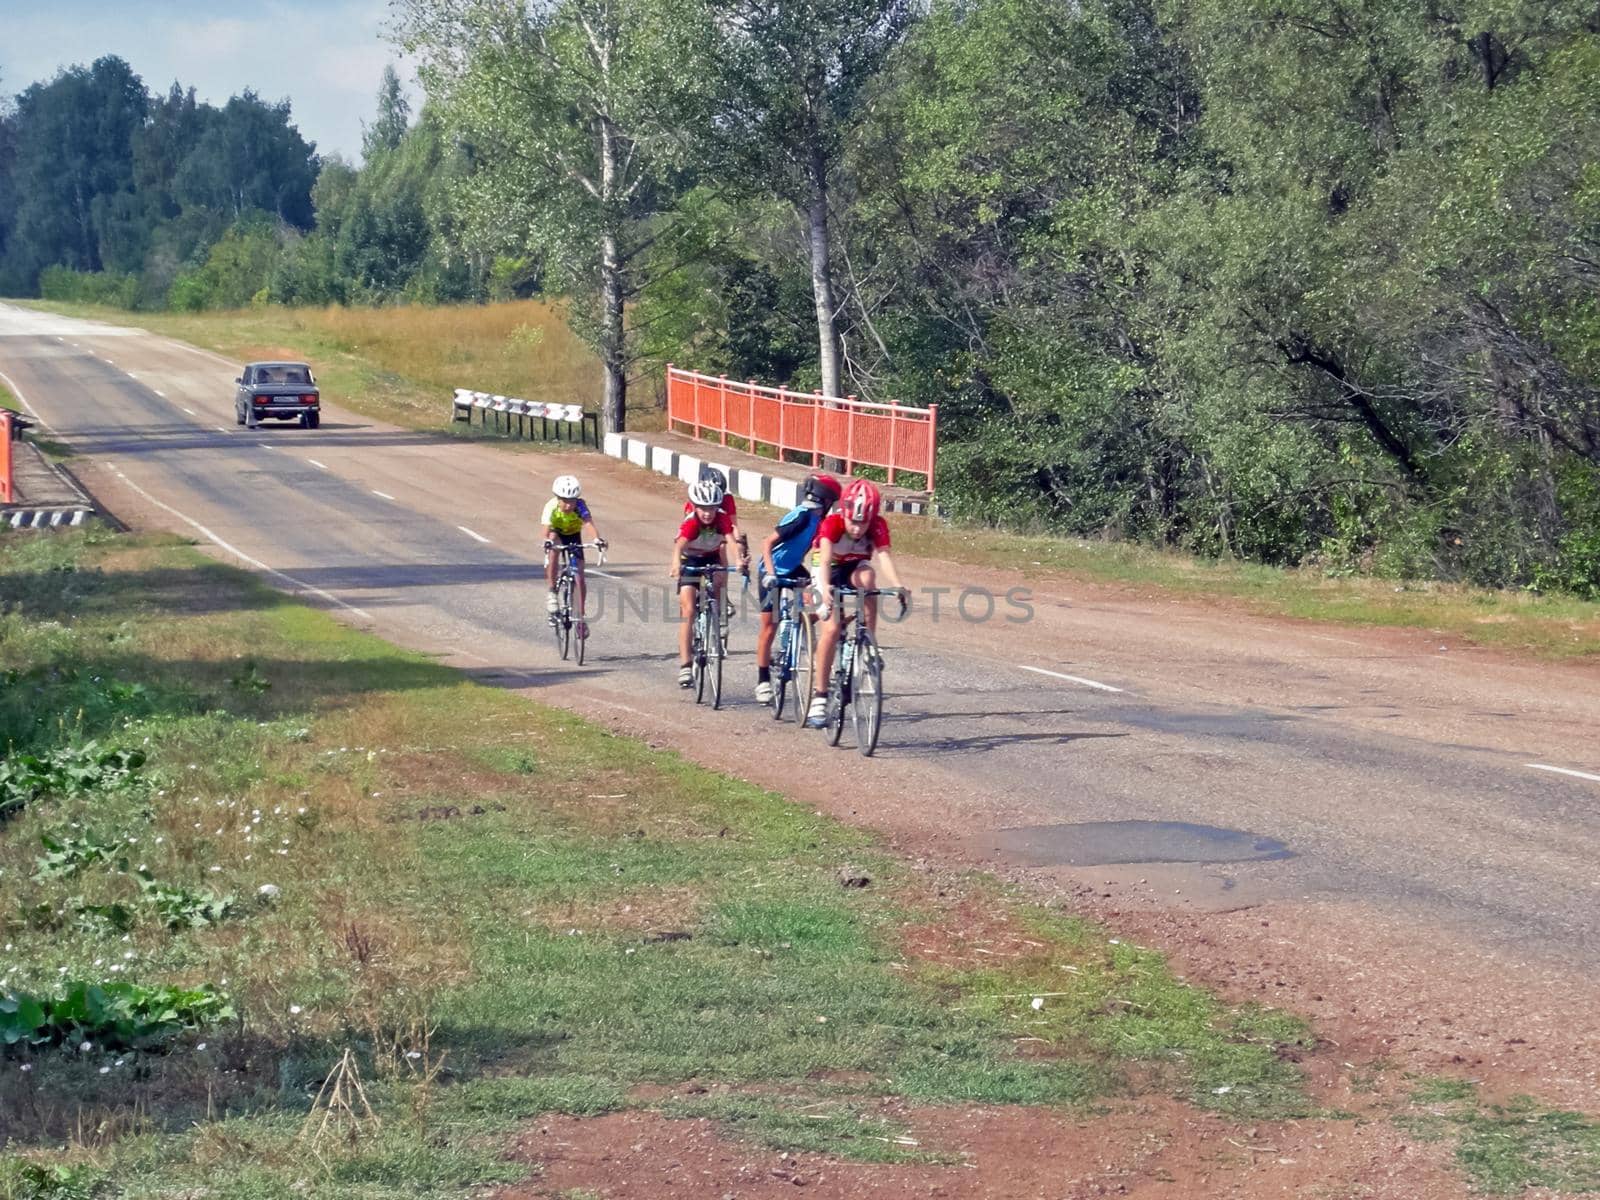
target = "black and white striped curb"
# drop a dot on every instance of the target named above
(44, 518)
(756, 486)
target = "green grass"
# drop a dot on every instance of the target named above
(1507, 1149)
(501, 910)
(1551, 626)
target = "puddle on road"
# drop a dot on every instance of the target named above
(1101, 843)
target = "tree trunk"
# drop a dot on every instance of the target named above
(822, 276)
(822, 288)
(614, 407)
(613, 346)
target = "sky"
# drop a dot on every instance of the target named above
(325, 56)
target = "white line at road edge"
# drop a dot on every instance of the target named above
(312, 461)
(1104, 687)
(385, 495)
(469, 533)
(241, 555)
(17, 392)
(1564, 771)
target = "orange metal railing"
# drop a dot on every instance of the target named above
(7, 493)
(897, 437)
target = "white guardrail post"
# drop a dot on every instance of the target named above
(584, 427)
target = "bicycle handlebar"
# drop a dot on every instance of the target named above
(569, 547)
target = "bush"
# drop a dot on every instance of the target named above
(89, 287)
(114, 1016)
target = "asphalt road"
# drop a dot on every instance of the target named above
(1414, 776)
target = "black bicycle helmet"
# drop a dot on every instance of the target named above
(707, 471)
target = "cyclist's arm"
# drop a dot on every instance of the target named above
(886, 560)
(767, 547)
(594, 533)
(549, 535)
(677, 556)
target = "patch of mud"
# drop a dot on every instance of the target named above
(1154, 1148)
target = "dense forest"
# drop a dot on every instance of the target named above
(1300, 281)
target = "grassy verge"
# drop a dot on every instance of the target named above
(399, 364)
(288, 911)
(1507, 1148)
(1546, 626)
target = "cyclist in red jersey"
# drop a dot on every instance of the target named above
(731, 507)
(853, 544)
(702, 541)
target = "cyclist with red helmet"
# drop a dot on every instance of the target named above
(703, 541)
(853, 544)
(783, 564)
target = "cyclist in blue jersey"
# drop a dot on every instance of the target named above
(783, 558)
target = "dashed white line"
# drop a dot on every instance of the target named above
(385, 495)
(220, 429)
(471, 534)
(190, 411)
(1564, 771)
(313, 462)
(1104, 687)
(242, 556)
(131, 375)
(266, 445)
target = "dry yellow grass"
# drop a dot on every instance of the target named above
(399, 364)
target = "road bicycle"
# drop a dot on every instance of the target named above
(570, 629)
(858, 672)
(791, 659)
(708, 641)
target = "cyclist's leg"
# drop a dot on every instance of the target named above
(552, 567)
(863, 578)
(768, 630)
(686, 597)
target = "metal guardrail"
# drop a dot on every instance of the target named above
(511, 415)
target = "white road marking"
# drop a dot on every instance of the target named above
(17, 392)
(265, 445)
(220, 429)
(1104, 687)
(190, 411)
(385, 495)
(469, 533)
(241, 555)
(1564, 771)
(314, 462)
(131, 375)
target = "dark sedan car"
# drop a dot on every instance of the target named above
(282, 391)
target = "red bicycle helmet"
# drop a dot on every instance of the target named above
(861, 501)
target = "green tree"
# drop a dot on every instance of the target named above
(388, 129)
(561, 101)
(250, 156)
(785, 85)
(73, 152)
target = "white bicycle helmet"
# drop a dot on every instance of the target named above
(706, 493)
(566, 487)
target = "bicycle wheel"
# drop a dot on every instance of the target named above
(561, 619)
(801, 673)
(715, 654)
(866, 697)
(782, 664)
(581, 636)
(839, 696)
(699, 651)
